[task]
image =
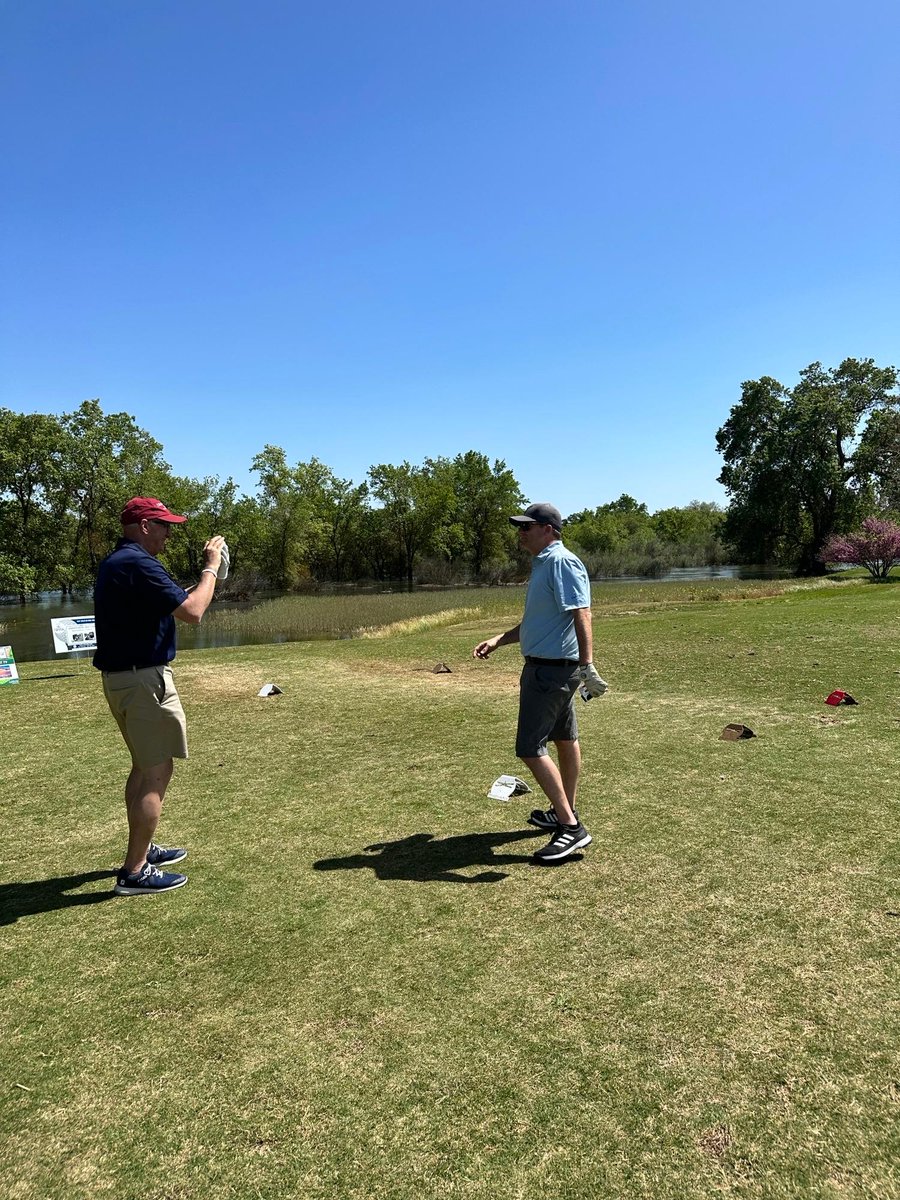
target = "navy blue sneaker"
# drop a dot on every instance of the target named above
(159, 856)
(147, 881)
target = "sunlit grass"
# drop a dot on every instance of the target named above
(367, 990)
(448, 616)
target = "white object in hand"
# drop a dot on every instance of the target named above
(591, 681)
(224, 562)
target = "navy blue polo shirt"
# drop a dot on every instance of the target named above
(134, 598)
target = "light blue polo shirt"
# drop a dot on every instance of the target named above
(559, 582)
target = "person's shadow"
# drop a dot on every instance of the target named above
(424, 859)
(43, 895)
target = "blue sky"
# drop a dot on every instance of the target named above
(560, 233)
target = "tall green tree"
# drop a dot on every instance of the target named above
(799, 463)
(286, 515)
(107, 458)
(31, 479)
(485, 496)
(416, 501)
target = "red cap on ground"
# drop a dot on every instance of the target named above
(146, 506)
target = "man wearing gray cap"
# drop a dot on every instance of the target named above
(556, 640)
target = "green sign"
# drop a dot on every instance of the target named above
(8, 671)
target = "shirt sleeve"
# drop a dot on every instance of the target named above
(571, 584)
(158, 588)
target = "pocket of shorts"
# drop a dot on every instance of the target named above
(547, 680)
(124, 680)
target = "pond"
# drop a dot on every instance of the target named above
(27, 627)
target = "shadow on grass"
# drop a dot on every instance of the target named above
(423, 859)
(43, 895)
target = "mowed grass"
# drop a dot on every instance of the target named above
(367, 989)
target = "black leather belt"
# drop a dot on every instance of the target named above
(550, 662)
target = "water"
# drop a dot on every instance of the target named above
(27, 627)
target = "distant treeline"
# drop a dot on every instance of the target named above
(64, 480)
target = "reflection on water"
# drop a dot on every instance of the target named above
(27, 627)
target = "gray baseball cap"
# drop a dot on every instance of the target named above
(539, 514)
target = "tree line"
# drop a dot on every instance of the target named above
(802, 466)
(64, 480)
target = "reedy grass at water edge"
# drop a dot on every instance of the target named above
(368, 990)
(298, 618)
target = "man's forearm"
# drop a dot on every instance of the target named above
(510, 637)
(199, 600)
(584, 633)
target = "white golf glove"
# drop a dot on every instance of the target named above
(224, 562)
(591, 681)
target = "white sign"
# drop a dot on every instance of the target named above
(73, 633)
(8, 671)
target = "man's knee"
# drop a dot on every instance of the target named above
(158, 776)
(530, 759)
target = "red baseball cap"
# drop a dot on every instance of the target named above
(146, 506)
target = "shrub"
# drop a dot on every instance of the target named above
(876, 547)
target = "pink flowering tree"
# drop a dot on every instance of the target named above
(876, 547)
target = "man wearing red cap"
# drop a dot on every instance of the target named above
(136, 603)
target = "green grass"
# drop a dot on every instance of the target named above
(368, 990)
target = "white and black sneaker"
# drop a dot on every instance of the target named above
(566, 840)
(546, 818)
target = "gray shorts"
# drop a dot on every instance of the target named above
(148, 712)
(546, 711)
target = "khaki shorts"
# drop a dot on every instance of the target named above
(148, 712)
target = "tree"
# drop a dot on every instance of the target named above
(286, 514)
(17, 578)
(694, 532)
(415, 501)
(30, 482)
(106, 458)
(876, 547)
(485, 497)
(610, 527)
(799, 463)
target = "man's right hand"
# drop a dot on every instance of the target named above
(483, 649)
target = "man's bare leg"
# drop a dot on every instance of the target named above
(548, 776)
(569, 768)
(144, 793)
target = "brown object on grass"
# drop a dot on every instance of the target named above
(734, 733)
(441, 669)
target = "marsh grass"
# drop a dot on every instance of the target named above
(367, 989)
(300, 618)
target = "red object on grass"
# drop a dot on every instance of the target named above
(838, 697)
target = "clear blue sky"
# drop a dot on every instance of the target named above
(560, 233)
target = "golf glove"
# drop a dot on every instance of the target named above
(224, 562)
(591, 681)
